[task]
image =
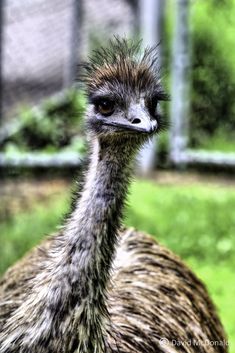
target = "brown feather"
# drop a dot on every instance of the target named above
(153, 296)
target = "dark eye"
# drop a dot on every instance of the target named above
(105, 107)
(152, 106)
(152, 102)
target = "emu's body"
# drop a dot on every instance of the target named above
(153, 296)
(64, 297)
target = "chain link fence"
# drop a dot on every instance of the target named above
(42, 42)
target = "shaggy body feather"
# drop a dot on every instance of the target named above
(74, 293)
(152, 295)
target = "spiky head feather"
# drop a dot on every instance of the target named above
(122, 63)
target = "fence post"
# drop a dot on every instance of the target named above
(180, 102)
(73, 58)
(1, 57)
(151, 24)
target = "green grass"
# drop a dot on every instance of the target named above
(197, 222)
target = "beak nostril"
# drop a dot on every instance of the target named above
(136, 121)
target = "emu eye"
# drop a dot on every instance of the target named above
(153, 107)
(105, 107)
(152, 102)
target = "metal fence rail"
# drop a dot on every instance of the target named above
(32, 160)
(179, 152)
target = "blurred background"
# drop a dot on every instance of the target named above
(184, 191)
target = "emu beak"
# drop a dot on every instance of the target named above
(143, 124)
(137, 119)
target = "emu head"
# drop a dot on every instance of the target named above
(123, 89)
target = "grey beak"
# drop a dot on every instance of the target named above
(137, 119)
(140, 119)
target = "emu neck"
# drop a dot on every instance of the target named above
(91, 235)
(95, 220)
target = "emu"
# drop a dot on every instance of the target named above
(96, 287)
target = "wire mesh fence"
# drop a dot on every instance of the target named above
(42, 42)
(34, 51)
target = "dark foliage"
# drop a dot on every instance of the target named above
(213, 92)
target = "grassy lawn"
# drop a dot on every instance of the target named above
(195, 221)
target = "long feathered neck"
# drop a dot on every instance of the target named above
(66, 309)
(91, 236)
